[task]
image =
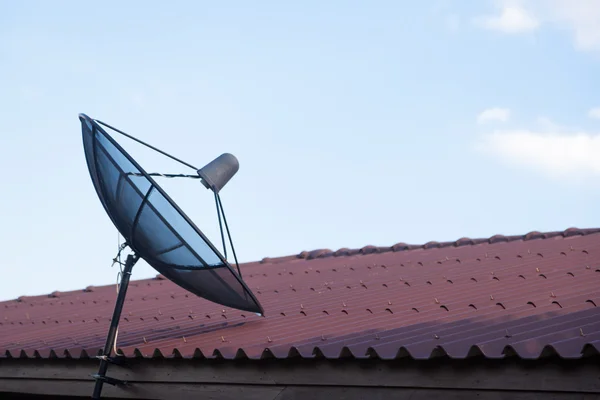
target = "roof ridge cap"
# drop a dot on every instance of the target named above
(401, 246)
(346, 252)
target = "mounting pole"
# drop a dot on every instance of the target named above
(101, 377)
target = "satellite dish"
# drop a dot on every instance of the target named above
(157, 230)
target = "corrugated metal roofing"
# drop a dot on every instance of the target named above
(529, 296)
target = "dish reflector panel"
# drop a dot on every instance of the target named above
(156, 228)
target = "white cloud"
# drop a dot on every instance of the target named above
(573, 156)
(511, 19)
(579, 17)
(494, 114)
(594, 113)
(547, 125)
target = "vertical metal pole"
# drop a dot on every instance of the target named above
(114, 323)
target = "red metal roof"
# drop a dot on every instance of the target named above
(529, 296)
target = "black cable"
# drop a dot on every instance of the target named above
(229, 234)
(147, 145)
(167, 175)
(220, 225)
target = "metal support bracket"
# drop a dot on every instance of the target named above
(117, 360)
(109, 380)
(105, 358)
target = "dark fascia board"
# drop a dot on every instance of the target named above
(58, 375)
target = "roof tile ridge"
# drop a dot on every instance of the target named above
(401, 246)
(346, 252)
(464, 241)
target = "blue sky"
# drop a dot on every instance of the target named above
(355, 123)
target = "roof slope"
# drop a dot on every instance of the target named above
(529, 296)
